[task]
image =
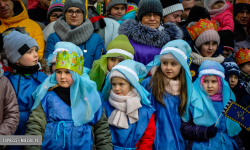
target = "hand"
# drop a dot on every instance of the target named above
(211, 131)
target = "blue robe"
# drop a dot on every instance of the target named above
(168, 122)
(222, 141)
(128, 138)
(25, 101)
(60, 127)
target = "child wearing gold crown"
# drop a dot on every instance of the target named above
(206, 41)
(221, 11)
(68, 109)
(243, 61)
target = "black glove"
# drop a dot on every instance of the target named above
(211, 131)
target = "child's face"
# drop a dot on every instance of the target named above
(218, 5)
(174, 17)
(246, 68)
(30, 58)
(208, 49)
(226, 53)
(170, 68)
(112, 61)
(64, 78)
(118, 11)
(211, 85)
(233, 80)
(120, 86)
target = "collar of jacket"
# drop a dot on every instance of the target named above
(23, 15)
(78, 35)
(148, 36)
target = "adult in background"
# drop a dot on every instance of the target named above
(147, 36)
(187, 6)
(172, 11)
(241, 15)
(54, 11)
(40, 12)
(18, 17)
(73, 27)
(245, 43)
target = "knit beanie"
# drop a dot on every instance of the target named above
(149, 6)
(227, 39)
(75, 3)
(232, 68)
(112, 3)
(206, 36)
(209, 3)
(55, 5)
(239, 7)
(197, 13)
(170, 6)
(17, 44)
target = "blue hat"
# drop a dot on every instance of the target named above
(133, 71)
(204, 112)
(179, 50)
(233, 68)
(211, 68)
(84, 97)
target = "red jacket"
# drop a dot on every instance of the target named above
(147, 139)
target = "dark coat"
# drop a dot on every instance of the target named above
(242, 44)
(239, 32)
(38, 14)
(193, 132)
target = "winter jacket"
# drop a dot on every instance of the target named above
(168, 121)
(45, 120)
(225, 19)
(83, 36)
(242, 98)
(139, 135)
(239, 32)
(147, 42)
(242, 44)
(9, 113)
(22, 20)
(38, 14)
(198, 134)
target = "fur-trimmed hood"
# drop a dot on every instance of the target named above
(148, 36)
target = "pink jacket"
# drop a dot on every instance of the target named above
(225, 19)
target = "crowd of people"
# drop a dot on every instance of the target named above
(124, 74)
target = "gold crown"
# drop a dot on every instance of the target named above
(242, 56)
(72, 61)
(201, 26)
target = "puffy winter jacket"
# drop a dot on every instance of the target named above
(22, 20)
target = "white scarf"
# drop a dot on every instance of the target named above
(126, 107)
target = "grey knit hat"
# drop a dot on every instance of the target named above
(170, 6)
(16, 45)
(149, 6)
(75, 3)
(112, 3)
